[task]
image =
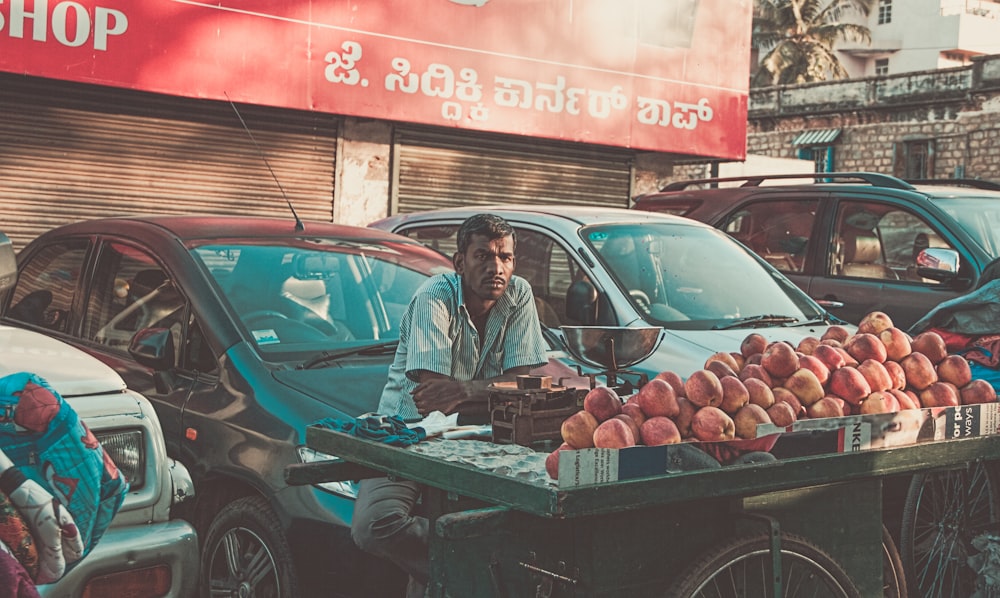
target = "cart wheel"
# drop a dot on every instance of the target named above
(943, 512)
(893, 573)
(742, 567)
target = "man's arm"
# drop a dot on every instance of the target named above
(436, 392)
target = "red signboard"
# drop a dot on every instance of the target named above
(660, 75)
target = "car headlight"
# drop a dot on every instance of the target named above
(348, 489)
(127, 448)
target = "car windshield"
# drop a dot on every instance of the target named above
(318, 294)
(693, 277)
(980, 217)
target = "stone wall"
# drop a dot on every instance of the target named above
(959, 109)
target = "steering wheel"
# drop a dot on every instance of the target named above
(641, 298)
(260, 314)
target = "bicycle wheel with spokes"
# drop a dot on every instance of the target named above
(943, 512)
(743, 568)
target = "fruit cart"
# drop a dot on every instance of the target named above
(807, 523)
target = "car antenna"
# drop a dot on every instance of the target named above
(298, 223)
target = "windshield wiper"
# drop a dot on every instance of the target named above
(374, 349)
(755, 321)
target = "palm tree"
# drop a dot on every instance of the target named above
(799, 35)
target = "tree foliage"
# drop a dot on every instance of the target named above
(797, 38)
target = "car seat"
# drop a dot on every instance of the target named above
(862, 253)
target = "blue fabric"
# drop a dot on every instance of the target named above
(989, 374)
(389, 429)
(64, 458)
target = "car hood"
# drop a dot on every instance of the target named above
(68, 370)
(350, 390)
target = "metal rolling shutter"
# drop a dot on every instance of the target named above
(435, 169)
(70, 152)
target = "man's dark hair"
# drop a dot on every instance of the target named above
(490, 225)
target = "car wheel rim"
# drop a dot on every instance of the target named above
(242, 566)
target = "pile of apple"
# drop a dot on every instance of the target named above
(877, 369)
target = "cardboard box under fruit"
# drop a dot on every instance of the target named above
(805, 437)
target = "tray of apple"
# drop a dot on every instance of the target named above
(875, 387)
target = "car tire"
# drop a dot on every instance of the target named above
(246, 533)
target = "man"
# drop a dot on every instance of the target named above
(461, 332)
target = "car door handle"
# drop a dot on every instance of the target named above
(829, 303)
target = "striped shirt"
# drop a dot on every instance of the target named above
(436, 334)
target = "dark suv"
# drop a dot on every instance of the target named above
(855, 242)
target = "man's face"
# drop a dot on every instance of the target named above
(486, 266)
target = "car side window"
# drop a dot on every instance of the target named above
(130, 291)
(47, 284)
(878, 241)
(778, 231)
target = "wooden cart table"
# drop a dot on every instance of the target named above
(505, 534)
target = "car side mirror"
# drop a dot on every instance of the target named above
(154, 348)
(938, 263)
(581, 302)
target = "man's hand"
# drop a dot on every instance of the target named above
(440, 393)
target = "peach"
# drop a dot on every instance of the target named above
(632, 424)
(755, 370)
(725, 358)
(863, 346)
(683, 419)
(896, 374)
(703, 388)
(758, 392)
(849, 384)
(578, 430)
(874, 323)
(780, 360)
(977, 391)
(552, 461)
(734, 394)
(897, 343)
(711, 424)
(828, 406)
(954, 369)
(930, 344)
(939, 394)
(816, 366)
(657, 397)
(805, 385)
(603, 403)
(659, 430)
(919, 370)
(876, 374)
(782, 414)
(675, 380)
(613, 433)
(835, 332)
(754, 342)
(748, 418)
(739, 359)
(830, 356)
(848, 358)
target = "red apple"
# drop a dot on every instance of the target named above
(876, 374)
(632, 424)
(748, 418)
(835, 332)
(816, 366)
(659, 430)
(828, 406)
(603, 403)
(552, 461)
(879, 402)
(780, 360)
(807, 345)
(734, 394)
(657, 397)
(725, 358)
(683, 419)
(954, 369)
(782, 414)
(632, 409)
(755, 370)
(905, 400)
(896, 374)
(849, 384)
(758, 392)
(930, 344)
(805, 385)
(831, 357)
(977, 391)
(675, 381)
(864, 346)
(704, 389)
(874, 323)
(613, 433)
(940, 394)
(753, 343)
(578, 430)
(919, 370)
(897, 343)
(712, 424)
